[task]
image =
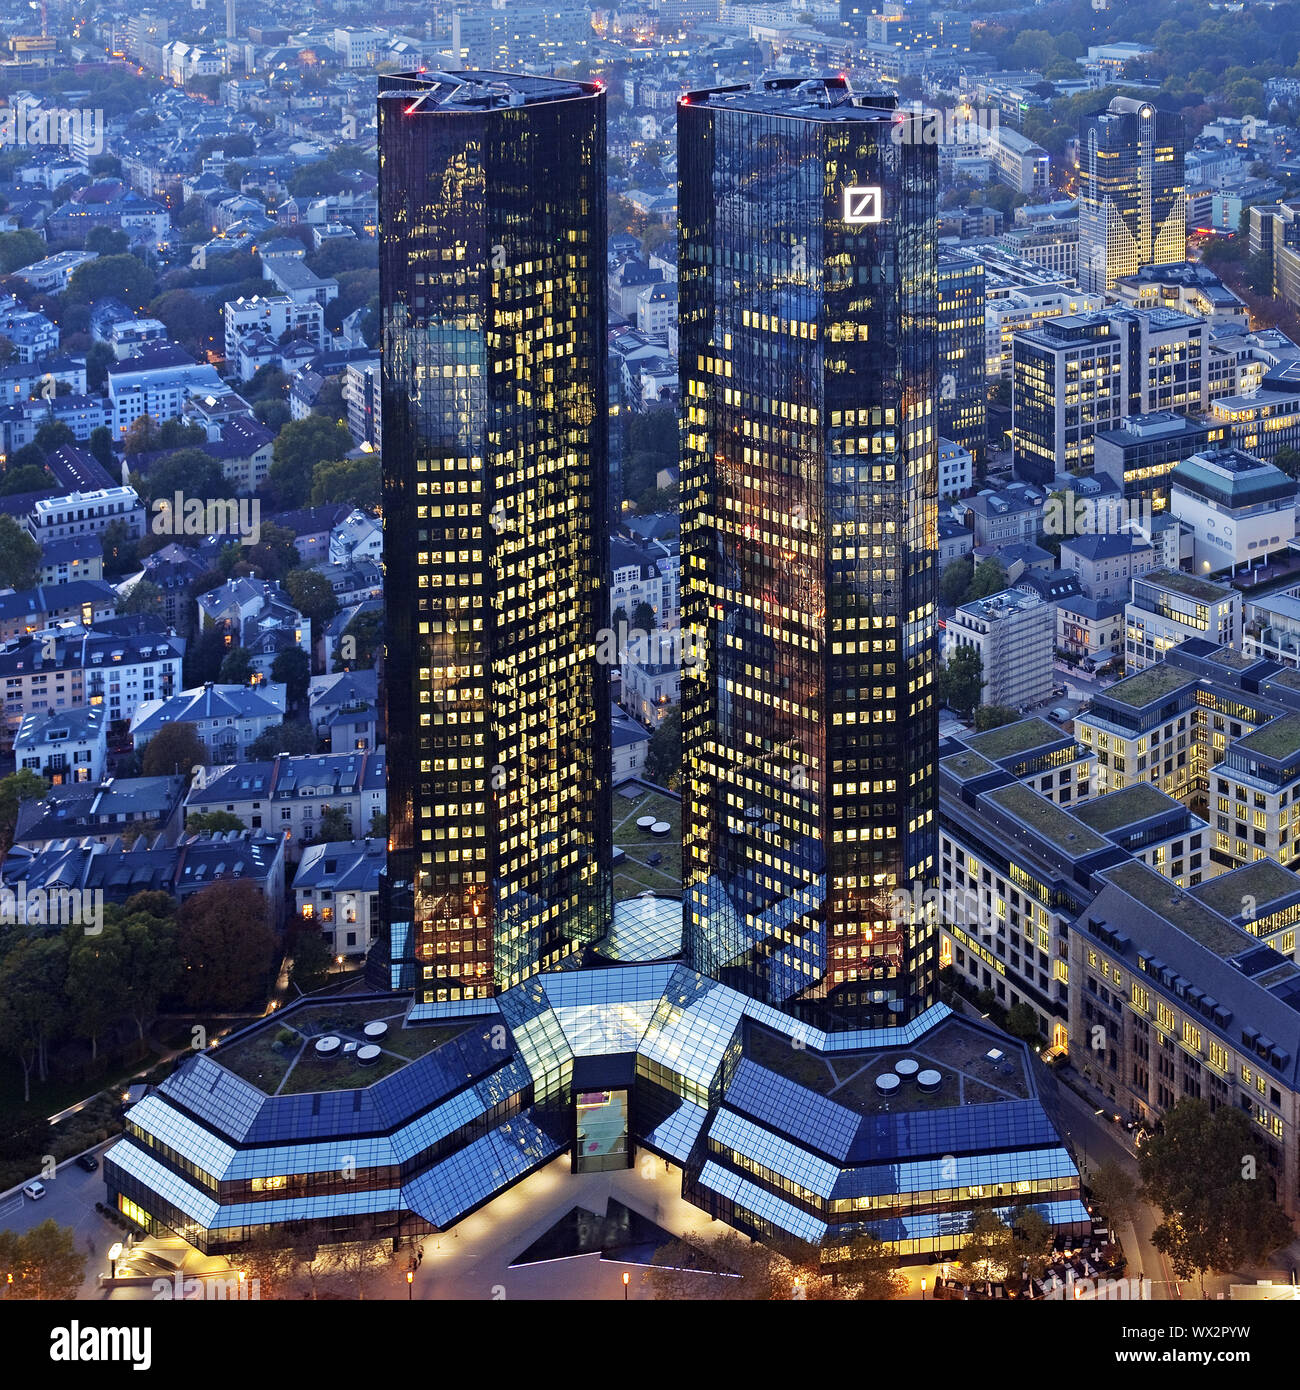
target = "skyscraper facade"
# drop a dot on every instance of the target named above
(807, 261)
(492, 266)
(963, 392)
(1132, 192)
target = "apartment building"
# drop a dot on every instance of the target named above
(1014, 634)
(1168, 607)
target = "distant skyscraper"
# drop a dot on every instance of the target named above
(492, 266)
(963, 391)
(1132, 195)
(807, 263)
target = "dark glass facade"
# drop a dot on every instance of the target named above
(492, 283)
(963, 394)
(807, 260)
(1132, 192)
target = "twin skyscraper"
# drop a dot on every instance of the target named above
(808, 466)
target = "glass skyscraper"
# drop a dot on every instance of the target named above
(492, 283)
(807, 264)
(1132, 192)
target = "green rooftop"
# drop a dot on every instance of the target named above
(965, 766)
(1180, 583)
(1279, 738)
(1287, 677)
(1266, 881)
(1231, 658)
(1155, 683)
(1118, 809)
(1178, 907)
(1010, 739)
(1058, 827)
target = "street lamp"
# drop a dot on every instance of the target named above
(923, 1288)
(410, 1279)
(627, 1279)
(114, 1254)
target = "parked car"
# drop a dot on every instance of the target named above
(34, 1190)
(88, 1162)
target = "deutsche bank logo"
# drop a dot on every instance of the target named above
(862, 205)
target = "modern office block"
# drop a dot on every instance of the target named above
(492, 190)
(809, 536)
(963, 394)
(1132, 199)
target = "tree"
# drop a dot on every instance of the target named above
(152, 964)
(300, 447)
(312, 596)
(1288, 460)
(335, 824)
(174, 749)
(20, 786)
(358, 481)
(107, 241)
(25, 479)
(189, 471)
(19, 249)
(273, 556)
(290, 737)
(192, 320)
(144, 597)
(121, 549)
(994, 716)
(1032, 1240)
(20, 556)
(360, 641)
(118, 277)
(990, 577)
(378, 826)
(237, 668)
(311, 959)
(988, 1251)
(1022, 1022)
(1203, 1172)
(212, 822)
(954, 582)
(226, 947)
(870, 1270)
(96, 983)
(960, 680)
(643, 618)
(53, 434)
(43, 1263)
(663, 758)
(292, 669)
(359, 1260)
(1115, 1191)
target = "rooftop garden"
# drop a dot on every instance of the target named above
(965, 766)
(1148, 686)
(1265, 881)
(1058, 827)
(278, 1056)
(957, 1050)
(1118, 809)
(1187, 584)
(1279, 738)
(1010, 739)
(649, 861)
(1178, 907)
